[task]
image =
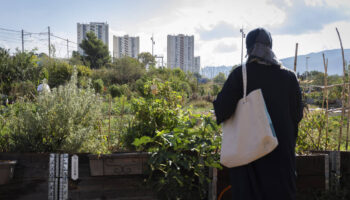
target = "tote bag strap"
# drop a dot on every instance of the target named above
(244, 75)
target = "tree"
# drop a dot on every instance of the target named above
(146, 59)
(96, 53)
(22, 66)
(128, 70)
(220, 78)
(76, 59)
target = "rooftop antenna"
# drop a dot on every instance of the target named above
(243, 36)
(152, 39)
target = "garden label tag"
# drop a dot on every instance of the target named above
(58, 177)
(75, 167)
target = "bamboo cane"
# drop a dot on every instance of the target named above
(296, 58)
(348, 119)
(109, 122)
(343, 94)
(325, 64)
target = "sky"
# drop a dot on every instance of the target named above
(215, 24)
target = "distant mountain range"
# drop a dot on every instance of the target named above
(315, 61)
(212, 71)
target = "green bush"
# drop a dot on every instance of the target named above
(84, 71)
(98, 85)
(4, 129)
(116, 90)
(181, 157)
(65, 119)
(20, 67)
(159, 108)
(215, 90)
(59, 72)
(23, 89)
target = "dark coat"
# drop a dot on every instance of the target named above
(273, 176)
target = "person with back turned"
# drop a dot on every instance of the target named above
(272, 177)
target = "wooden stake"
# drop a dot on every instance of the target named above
(343, 94)
(109, 122)
(296, 57)
(348, 120)
(325, 64)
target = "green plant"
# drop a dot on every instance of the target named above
(23, 89)
(65, 119)
(96, 52)
(181, 157)
(98, 85)
(4, 128)
(159, 108)
(20, 67)
(118, 90)
(312, 132)
(215, 89)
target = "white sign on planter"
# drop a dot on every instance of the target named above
(75, 167)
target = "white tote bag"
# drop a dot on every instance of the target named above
(248, 134)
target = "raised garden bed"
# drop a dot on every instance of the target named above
(31, 179)
(118, 164)
(312, 170)
(339, 165)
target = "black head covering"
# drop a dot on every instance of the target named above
(259, 45)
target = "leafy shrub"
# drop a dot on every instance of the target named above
(65, 119)
(17, 68)
(4, 129)
(116, 90)
(84, 71)
(25, 89)
(59, 72)
(215, 89)
(159, 108)
(98, 85)
(312, 132)
(128, 70)
(181, 156)
(183, 145)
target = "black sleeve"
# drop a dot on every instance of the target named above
(299, 102)
(227, 99)
(297, 105)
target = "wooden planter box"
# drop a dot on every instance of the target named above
(339, 165)
(312, 170)
(7, 168)
(118, 164)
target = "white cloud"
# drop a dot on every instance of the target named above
(224, 47)
(215, 25)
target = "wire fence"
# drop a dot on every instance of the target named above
(41, 42)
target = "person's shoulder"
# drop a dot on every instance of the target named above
(236, 71)
(287, 71)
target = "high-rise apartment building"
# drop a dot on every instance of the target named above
(180, 52)
(126, 46)
(197, 64)
(100, 30)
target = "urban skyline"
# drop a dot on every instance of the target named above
(125, 46)
(180, 52)
(100, 29)
(214, 24)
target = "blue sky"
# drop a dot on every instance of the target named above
(214, 23)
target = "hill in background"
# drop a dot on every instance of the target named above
(315, 62)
